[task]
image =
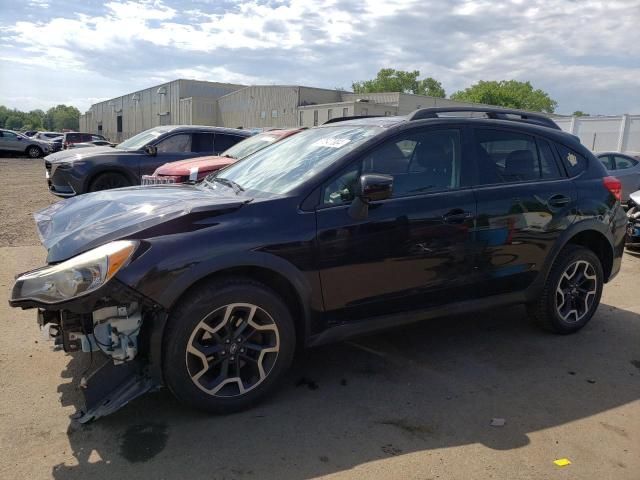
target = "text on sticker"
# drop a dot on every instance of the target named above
(331, 142)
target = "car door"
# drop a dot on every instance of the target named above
(525, 202)
(13, 142)
(173, 147)
(413, 250)
(627, 170)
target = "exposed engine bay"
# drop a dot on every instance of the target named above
(119, 365)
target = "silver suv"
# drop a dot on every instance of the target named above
(15, 142)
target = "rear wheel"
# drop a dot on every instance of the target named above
(34, 152)
(227, 345)
(108, 181)
(572, 292)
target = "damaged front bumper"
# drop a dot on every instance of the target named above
(117, 324)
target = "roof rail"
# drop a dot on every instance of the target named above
(491, 112)
(352, 117)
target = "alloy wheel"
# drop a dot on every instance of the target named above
(576, 291)
(232, 350)
(34, 152)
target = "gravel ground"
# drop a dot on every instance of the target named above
(23, 192)
(413, 403)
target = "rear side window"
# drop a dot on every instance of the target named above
(549, 169)
(624, 162)
(506, 157)
(574, 162)
(202, 143)
(224, 141)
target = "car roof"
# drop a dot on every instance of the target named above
(234, 131)
(393, 121)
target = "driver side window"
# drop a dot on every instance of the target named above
(180, 143)
(419, 161)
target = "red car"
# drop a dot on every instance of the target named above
(195, 169)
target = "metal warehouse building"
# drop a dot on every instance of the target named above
(193, 102)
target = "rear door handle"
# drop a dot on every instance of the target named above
(457, 216)
(558, 200)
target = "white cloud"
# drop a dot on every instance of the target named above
(578, 51)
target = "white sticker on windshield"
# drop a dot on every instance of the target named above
(331, 142)
(572, 159)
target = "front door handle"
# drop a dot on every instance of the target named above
(457, 216)
(558, 200)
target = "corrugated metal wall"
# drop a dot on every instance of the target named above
(385, 97)
(618, 133)
(158, 105)
(259, 107)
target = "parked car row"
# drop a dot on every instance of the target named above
(70, 173)
(14, 142)
(338, 230)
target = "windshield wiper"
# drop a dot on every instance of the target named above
(229, 183)
(228, 156)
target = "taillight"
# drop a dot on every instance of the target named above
(614, 186)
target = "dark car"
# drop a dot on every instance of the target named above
(75, 171)
(340, 230)
(195, 169)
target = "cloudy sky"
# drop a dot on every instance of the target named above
(585, 53)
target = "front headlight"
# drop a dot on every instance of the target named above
(75, 277)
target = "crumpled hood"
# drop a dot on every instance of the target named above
(78, 224)
(74, 154)
(635, 196)
(204, 164)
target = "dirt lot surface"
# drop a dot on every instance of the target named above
(23, 192)
(413, 403)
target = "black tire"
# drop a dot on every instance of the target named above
(211, 301)
(108, 181)
(546, 311)
(33, 151)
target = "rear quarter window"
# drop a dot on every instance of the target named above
(573, 161)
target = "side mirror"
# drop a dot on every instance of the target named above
(151, 150)
(372, 187)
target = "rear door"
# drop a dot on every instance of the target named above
(525, 202)
(413, 250)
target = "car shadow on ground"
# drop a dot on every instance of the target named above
(427, 386)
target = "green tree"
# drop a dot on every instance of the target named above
(391, 80)
(508, 93)
(13, 122)
(579, 113)
(62, 117)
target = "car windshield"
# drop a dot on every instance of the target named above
(250, 145)
(286, 165)
(140, 140)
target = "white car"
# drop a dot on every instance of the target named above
(15, 142)
(625, 167)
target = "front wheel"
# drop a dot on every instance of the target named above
(227, 345)
(572, 292)
(109, 181)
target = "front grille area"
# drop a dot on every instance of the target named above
(47, 165)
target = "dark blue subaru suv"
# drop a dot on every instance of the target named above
(351, 227)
